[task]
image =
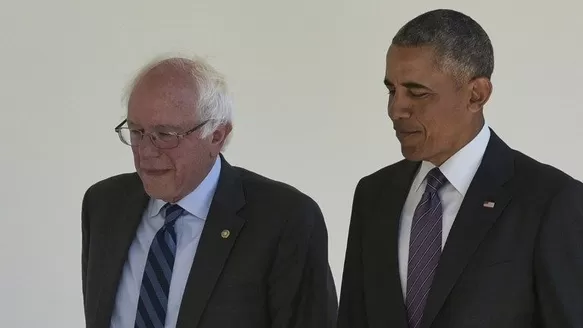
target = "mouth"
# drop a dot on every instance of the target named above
(155, 172)
(405, 134)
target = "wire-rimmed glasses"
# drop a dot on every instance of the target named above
(162, 140)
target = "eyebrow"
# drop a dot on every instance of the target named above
(158, 127)
(408, 85)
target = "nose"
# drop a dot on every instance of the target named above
(146, 147)
(399, 106)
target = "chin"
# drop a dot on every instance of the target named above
(157, 189)
(154, 191)
(411, 154)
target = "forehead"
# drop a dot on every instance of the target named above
(162, 96)
(411, 64)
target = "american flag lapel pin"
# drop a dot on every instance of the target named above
(488, 204)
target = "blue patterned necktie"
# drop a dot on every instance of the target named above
(424, 246)
(158, 273)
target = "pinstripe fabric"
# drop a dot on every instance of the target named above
(424, 247)
(158, 273)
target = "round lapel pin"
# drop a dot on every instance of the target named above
(225, 234)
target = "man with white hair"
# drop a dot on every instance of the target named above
(189, 240)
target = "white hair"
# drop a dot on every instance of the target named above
(214, 103)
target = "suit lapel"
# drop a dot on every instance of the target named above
(121, 230)
(218, 237)
(384, 299)
(472, 223)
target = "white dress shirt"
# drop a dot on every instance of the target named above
(188, 230)
(459, 171)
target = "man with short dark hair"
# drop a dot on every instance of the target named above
(188, 240)
(465, 231)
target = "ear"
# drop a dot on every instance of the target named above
(480, 91)
(219, 137)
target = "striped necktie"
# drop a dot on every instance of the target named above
(424, 246)
(153, 299)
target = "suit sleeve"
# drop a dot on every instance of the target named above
(302, 293)
(352, 312)
(559, 260)
(84, 241)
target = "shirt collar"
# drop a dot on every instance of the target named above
(462, 166)
(197, 202)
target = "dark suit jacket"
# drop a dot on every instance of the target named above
(518, 264)
(271, 272)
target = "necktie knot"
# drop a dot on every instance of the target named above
(435, 180)
(173, 212)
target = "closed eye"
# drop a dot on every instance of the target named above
(165, 135)
(418, 94)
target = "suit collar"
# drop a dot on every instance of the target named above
(381, 273)
(380, 237)
(221, 230)
(121, 229)
(473, 222)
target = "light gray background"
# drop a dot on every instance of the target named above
(310, 108)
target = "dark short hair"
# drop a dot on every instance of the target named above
(461, 44)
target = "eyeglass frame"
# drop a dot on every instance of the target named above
(178, 135)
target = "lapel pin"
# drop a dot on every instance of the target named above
(489, 204)
(225, 234)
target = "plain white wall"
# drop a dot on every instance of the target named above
(311, 108)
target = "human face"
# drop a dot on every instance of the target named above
(165, 101)
(433, 114)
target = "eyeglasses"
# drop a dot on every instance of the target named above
(162, 140)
